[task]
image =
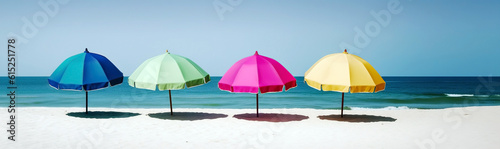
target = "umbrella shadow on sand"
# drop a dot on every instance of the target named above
(102, 114)
(186, 116)
(357, 118)
(271, 117)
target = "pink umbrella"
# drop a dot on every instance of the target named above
(256, 74)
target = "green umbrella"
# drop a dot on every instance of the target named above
(168, 72)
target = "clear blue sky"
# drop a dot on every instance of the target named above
(422, 38)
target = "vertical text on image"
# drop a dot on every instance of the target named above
(11, 88)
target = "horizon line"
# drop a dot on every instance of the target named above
(303, 76)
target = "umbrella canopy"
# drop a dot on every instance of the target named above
(256, 74)
(85, 71)
(168, 72)
(344, 72)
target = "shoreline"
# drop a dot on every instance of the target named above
(466, 127)
(346, 108)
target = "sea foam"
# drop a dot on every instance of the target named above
(459, 95)
(384, 108)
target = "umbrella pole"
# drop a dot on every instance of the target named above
(170, 96)
(86, 102)
(257, 104)
(342, 111)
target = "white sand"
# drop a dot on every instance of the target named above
(471, 127)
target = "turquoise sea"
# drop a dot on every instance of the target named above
(400, 93)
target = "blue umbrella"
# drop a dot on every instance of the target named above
(85, 71)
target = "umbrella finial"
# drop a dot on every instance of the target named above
(86, 50)
(345, 51)
(256, 53)
(167, 51)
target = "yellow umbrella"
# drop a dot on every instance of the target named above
(344, 72)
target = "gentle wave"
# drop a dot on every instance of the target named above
(385, 108)
(459, 95)
(469, 95)
(21, 96)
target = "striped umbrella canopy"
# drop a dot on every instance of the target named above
(256, 74)
(344, 72)
(85, 72)
(168, 72)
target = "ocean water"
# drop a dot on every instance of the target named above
(400, 93)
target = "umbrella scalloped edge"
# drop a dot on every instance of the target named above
(86, 87)
(344, 88)
(169, 86)
(255, 90)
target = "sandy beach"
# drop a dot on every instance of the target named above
(470, 127)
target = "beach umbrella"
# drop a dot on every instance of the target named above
(344, 72)
(168, 72)
(85, 72)
(256, 74)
